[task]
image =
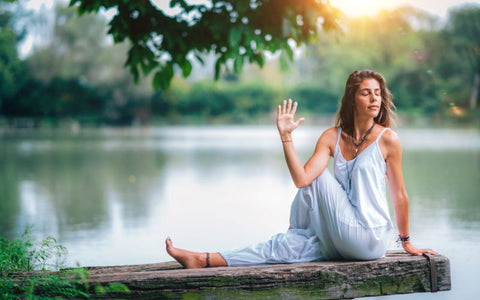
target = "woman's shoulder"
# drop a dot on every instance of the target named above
(330, 133)
(389, 135)
(328, 138)
(390, 138)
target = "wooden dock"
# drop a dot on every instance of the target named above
(398, 273)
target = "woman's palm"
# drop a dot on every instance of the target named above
(286, 117)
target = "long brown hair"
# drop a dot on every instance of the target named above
(345, 114)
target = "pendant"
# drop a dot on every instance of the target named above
(356, 150)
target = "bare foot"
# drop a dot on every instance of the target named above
(188, 259)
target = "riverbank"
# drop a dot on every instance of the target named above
(409, 119)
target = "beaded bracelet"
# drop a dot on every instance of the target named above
(403, 238)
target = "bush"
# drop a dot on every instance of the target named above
(20, 257)
(315, 99)
(206, 101)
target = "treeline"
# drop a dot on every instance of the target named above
(74, 73)
(200, 102)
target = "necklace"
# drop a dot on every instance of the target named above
(357, 145)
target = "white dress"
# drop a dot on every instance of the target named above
(341, 217)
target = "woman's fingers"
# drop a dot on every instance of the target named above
(299, 121)
(430, 252)
(294, 109)
(288, 107)
(414, 251)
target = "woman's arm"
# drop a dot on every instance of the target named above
(302, 175)
(399, 196)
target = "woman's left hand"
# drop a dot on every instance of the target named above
(407, 246)
(286, 123)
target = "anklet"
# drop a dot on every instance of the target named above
(208, 260)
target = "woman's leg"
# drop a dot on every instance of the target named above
(307, 238)
(194, 260)
(335, 221)
(319, 207)
(293, 246)
(316, 215)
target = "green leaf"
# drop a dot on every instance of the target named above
(284, 62)
(218, 65)
(181, 3)
(186, 68)
(288, 51)
(169, 71)
(158, 80)
(234, 37)
(135, 55)
(163, 77)
(100, 290)
(238, 64)
(260, 58)
(118, 287)
(199, 59)
(147, 67)
(134, 71)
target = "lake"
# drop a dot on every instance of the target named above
(112, 196)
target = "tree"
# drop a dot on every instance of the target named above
(235, 30)
(463, 30)
(11, 67)
(78, 55)
(395, 43)
(73, 49)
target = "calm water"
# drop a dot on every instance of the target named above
(112, 196)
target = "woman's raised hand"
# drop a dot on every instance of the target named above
(286, 123)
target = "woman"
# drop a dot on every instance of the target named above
(335, 217)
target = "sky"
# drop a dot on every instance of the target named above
(371, 7)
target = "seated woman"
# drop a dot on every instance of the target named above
(344, 216)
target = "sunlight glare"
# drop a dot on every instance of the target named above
(363, 7)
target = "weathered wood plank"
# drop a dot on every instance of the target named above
(398, 273)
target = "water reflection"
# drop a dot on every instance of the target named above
(445, 180)
(64, 185)
(111, 196)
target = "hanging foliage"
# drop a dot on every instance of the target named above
(235, 30)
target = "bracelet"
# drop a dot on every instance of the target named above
(286, 141)
(403, 238)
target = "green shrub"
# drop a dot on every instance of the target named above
(315, 99)
(20, 260)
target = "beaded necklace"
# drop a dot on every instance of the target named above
(357, 147)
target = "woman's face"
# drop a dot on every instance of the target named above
(368, 98)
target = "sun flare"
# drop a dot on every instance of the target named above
(356, 8)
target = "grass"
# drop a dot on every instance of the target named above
(20, 259)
